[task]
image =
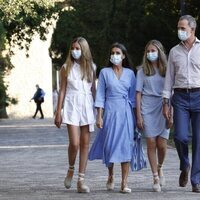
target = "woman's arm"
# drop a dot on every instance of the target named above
(99, 120)
(139, 118)
(61, 96)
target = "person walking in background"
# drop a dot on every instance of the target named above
(39, 99)
(183, 76)
(115, 100)
(77, 92)
(149, 88)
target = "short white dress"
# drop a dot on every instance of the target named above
(78, 108)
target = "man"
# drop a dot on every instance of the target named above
(183, 76)
(39, 99)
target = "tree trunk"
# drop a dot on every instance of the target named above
(3, 113)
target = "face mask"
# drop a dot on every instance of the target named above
(116, 59)
(183, 35)
(76, 54)
(152, 56)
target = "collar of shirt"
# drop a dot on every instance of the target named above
(183, 44)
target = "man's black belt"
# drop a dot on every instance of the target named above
(186, 90)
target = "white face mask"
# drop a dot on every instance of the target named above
(116, 59)
(152, 56)
(76, 54)
(183, 35)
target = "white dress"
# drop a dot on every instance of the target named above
(78, 106)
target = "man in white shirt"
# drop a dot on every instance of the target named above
(183, 77)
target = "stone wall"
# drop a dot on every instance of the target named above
(27, 72)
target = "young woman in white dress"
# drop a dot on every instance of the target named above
(76, 98)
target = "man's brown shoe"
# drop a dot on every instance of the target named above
(196, 188)
(183, 178)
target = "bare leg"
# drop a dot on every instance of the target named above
(84, 147)
(125, 171)
(73, 133)
(110, 170)
(151, 152)
(110, 183)
(162, 149)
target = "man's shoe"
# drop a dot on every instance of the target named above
(41, 117)
(196, 188)
(183, 179)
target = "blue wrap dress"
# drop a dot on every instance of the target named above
(114, 142)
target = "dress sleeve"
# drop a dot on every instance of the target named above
(132, 90)
(101, 91)
(140, 80)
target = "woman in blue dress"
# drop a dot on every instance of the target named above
(149, 87)
(115, 100)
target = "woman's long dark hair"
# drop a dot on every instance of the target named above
(126, 62)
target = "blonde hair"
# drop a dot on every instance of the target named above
(162, 59)
(86, 62)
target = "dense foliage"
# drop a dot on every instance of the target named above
(132, 22)
(20, 19)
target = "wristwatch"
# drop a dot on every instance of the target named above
(165, 101)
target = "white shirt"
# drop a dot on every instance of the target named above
(183, 69)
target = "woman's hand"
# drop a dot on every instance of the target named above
(169, 123)
(99, 122)
(58, 120)
(140, 122)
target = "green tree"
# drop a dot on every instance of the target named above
(192, 8)
(104, 22)
(4, 63)
(132, 22)
(156, 20)
(20, 19)
(84, 18)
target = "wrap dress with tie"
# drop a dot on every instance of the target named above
(114, 142)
